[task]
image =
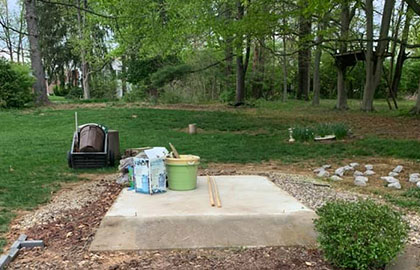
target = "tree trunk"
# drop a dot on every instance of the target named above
(81, 21)
(317, 63)
(241, 63)
(258, 71)
(368, 93)
(123, 75)
(304, 56)
(284, 70)
(416, 109)
(402, 56)
(341, 89)
(375, 67)
(345, 19)
(240, 81)
(40, 89)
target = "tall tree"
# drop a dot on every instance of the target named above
(241, 59)
(402, 54)
(374, 62)
(81, 23)
(40, 87)
(304, 54)
(346, 15)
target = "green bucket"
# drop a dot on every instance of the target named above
(182, 172)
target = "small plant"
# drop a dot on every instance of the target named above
(340, 131)
(303, 134)
(360, 235)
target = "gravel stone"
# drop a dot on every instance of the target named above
(390, 179)
(75, 198)
(340, 171)
(395, 185)
(360, 181)
(323, 173)
(336, 178)
(398, 169)
(369, 167)
(302, 188)
(369, 173)
(357, 173)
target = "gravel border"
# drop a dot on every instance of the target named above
(303, 189)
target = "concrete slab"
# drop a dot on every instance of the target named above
(255, 212)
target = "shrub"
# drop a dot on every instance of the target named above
(360, 235)
(15, 85)
(75, 92)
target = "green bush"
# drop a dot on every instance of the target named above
(15, 85)
(360, 235)
(75, 92)
(61, 91)
(103, 87)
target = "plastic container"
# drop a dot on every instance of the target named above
(182, 172)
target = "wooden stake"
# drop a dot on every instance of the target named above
(176, 155)
(209, 184)
(216, 193)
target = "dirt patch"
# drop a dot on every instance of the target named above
(216, 131)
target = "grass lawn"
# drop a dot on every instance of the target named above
(34, 142)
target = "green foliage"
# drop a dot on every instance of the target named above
(340, 130)
(103, 87)
(140, 70)
(303, 134)
(168, 74)
(410, 199)
(15, 85)
(138, 93)
(360, 235)
(61, 91)
(74, 92)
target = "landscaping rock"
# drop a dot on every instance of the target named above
(340, 171)
(336, 178)
(393, 174)
(323, 173)
(398, 169)
(348, 168)
(390, 179)
(418, 184)
(369, 173)
(395, 185)
(369, 167)
(414, 178)
(326, 166)
(357, 173)
(360, 181)
(354, 164)
(317, 170)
